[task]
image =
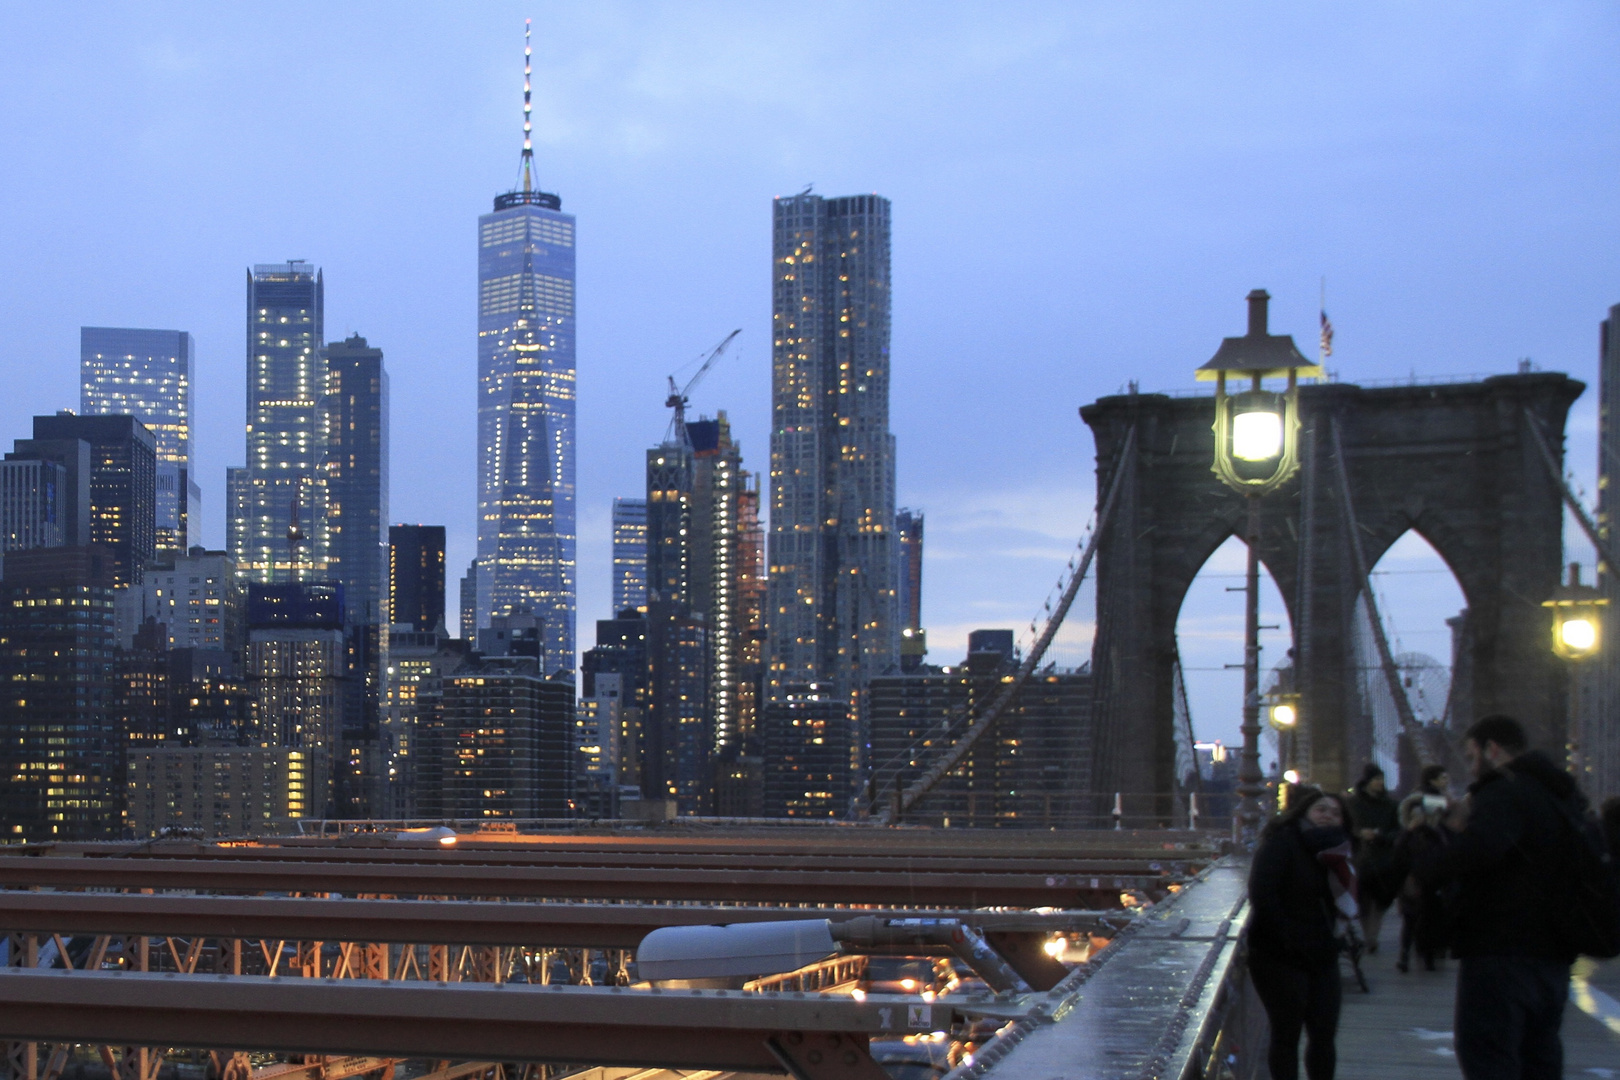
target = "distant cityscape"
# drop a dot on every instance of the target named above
(307, 670)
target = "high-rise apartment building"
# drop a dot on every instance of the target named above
(720, 489)
(507, 741)
(598, 723)
(416, 575)
(147, 374)
(277, 503)
(908, 527)
(1020, 774)
(47, 494)
(621, 654)
(296, 672)
(808, 740)
(629, 553)
(357, 477)
(216, 790)
(702, 575)
(198, 598)
(467, 606)
(418, 661)
(526, 515)
(833, 612)
(33, 511)
(123, 485)
(750, 619)
(62, 755)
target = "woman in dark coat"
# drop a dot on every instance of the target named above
(1302, 896)
(1378, 825)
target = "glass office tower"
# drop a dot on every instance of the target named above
(147, 374)
(357, 477)
(526, 531)
(629, 554)
(276, 512)
(416, 576)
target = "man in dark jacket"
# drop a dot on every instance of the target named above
(1513, 979)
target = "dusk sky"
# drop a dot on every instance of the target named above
(1082, 195)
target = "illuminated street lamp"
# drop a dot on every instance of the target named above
(1577, 635)
(1256, 451)
(1284, 712)
(1577, 624)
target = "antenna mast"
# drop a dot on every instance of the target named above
(528, 141)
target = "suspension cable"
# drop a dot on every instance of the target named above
(1386, 659)
(952, 757)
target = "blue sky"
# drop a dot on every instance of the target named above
(1082, 196)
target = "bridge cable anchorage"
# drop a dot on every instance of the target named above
(952, 757)
(1555, 470)
(1386, 659)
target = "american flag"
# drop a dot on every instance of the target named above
(1327, 335)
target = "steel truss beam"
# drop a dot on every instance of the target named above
(447, 922)
(890, 885)
(814, 1035)
(475, 851)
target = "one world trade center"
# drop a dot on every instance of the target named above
(526, 531)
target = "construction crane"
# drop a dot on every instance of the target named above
(678, 397)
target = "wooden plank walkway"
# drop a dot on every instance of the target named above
(1402, 1030)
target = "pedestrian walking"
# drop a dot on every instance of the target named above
(1302, 891)
(1424, 914)
(1513, 971)
(1378, 824)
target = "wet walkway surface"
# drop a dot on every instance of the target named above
(1402, 1029)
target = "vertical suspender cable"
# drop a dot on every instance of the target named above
(1386, 659)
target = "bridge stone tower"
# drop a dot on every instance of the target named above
(1455, 462)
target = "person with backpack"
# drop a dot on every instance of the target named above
(1525, 857)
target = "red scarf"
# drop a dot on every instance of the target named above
(1341, 881)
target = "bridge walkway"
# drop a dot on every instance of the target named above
(1402, 1029)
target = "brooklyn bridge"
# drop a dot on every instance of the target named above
(1102, 938)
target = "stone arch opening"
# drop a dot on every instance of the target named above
(1209, 639)
(1422, 606)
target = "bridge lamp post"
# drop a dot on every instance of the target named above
(1256, 451)
(1577, 635)
(1283, 712)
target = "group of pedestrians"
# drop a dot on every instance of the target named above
(1476, 876)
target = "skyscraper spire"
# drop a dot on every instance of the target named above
(528, 140)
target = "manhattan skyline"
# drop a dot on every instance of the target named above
(1454, 194)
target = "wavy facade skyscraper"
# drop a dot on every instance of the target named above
(526, 530)
(833, 602)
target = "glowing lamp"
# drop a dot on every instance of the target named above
(1257, 430)
(1577, 611)
(1284, 714)
(1257, 434)
(1578, 635)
